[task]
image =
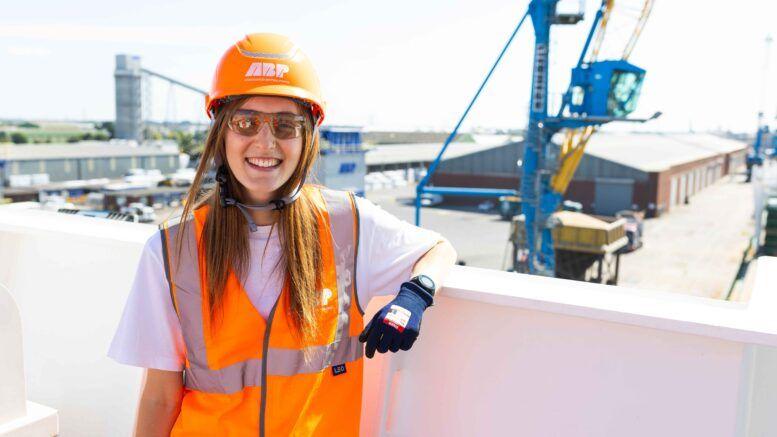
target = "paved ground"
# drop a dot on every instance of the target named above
(695, 249)
(480, 239)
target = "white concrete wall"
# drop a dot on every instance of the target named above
(508, 355)
(70, 276)
(550, 375)
(499, 354)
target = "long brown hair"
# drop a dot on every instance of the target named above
(225, 234)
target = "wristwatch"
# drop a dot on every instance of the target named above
(426, 284)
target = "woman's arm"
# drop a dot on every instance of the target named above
(436, 262)
(160, 403)
(396, 325)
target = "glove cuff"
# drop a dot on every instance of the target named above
(416, 292)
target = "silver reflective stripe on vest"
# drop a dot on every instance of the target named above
(341, 224)
(230, 379)
(280, 362)
(288, 362)
(186, 278)
(184, 272)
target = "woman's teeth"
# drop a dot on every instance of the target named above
(264, 162)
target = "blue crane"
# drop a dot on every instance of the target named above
(599, 92)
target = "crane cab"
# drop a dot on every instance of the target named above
(605, 89)
(568, 12)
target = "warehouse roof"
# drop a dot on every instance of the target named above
(426, 152)
(84, 149)
(659, 152)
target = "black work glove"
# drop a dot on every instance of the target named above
(397, 324)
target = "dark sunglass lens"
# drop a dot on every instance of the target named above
(285, 130)
(244, 125)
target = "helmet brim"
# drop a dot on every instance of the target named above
(275, 90)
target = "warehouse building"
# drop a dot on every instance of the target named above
(421, 155)
(85, 160)
(650, 172)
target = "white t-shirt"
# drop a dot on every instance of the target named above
(149, 334)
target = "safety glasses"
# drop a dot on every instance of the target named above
(283, 126)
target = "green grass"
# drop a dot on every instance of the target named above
(54, 135)
(49, 135)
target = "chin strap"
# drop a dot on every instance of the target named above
(226, 199)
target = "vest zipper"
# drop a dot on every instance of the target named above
(265, 347)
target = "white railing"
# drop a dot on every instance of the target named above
(499, 354)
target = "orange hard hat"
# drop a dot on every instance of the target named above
(265, 64)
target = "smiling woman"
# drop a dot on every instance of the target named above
(246, 311)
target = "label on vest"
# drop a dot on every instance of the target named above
(397, 317)
(326, 294)
(338, 369)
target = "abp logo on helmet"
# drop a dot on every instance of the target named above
(267, 70)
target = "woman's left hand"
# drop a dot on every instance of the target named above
(397, 324)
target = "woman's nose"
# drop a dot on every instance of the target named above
(264, 138)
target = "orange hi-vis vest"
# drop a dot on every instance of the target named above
(245, 376)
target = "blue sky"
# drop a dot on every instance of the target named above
(401, 64)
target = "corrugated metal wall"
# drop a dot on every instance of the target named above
(58, 169)
(503, 161)
(592, 167)
(90, 168)
(496, 161)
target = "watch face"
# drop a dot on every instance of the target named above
(426, 282)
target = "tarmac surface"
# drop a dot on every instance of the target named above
(479, 238)
(695, 249)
